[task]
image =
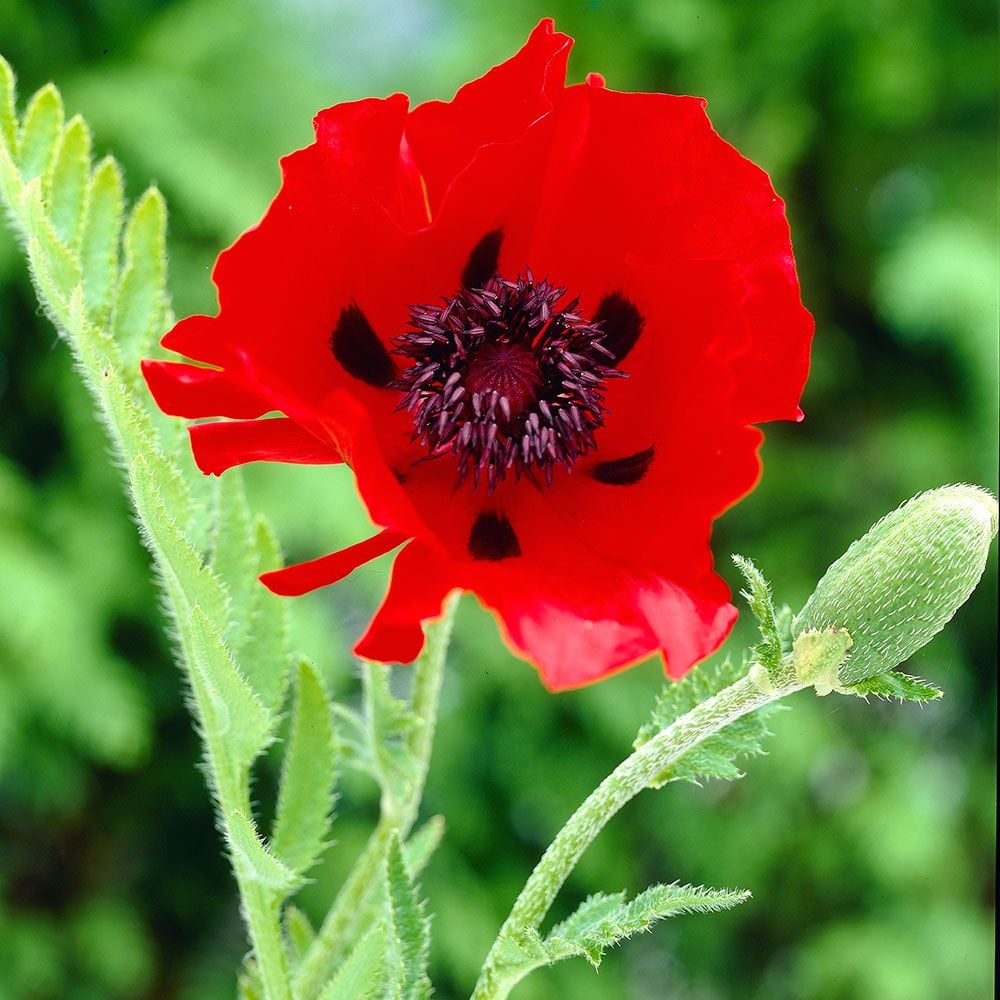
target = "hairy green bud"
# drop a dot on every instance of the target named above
(894, 589)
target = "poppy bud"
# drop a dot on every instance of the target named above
(894, 589)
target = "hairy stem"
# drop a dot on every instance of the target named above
(635, 773)
(346, 919)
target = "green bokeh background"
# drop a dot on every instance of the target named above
(866, 835)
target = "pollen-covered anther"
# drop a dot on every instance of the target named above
(504, 380)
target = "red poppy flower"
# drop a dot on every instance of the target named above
(538, 322)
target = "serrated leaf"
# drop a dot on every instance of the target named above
(238, 717)
(391, 724)
(43, 122)
(60, 263)
(191, 582)
(758, 597)
(299, 933)
(360, 977)
(895, 684)
(421, 845)
(68, 181)
(249, 986)
(265, 655)
(234, 556)
(305, 795)
(252, 860)
(99, 236)
(716, 756)
(47, 286)
(10, 180)
(408, 930)
(140, 300)
(605, 920)
(8, 93)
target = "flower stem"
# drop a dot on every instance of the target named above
(635, 773)
(346, 919)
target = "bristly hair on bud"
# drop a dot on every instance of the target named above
(894, 589)
(504, 379)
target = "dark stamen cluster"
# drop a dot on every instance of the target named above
(504, 380)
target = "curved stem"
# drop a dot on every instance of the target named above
(635, 773)
(346, 918)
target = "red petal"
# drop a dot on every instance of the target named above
(221, 445)
(496, 108)
(291, 581)
(189, 391)
(417, 589)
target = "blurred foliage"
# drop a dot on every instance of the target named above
(866, 834)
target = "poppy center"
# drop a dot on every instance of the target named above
(505, 378)
(508, 369)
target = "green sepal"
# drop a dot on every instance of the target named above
(894, 684)
(305, 795)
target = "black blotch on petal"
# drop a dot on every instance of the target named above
(624, 471)
(357, 347)
(622, 323)
(483, 260)
(493, 538)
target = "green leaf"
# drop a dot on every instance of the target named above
(234, 557)
(43, 122)
(265, 655)
(140, 304)
(604, 920)
(408, 930)
(238, 717)
(299, 934)
(252, 861)
(421, 845)
(60, 263)
(758, 597)
(99, 236)
(68, 181)
(305, 796)
(248, 985)
(360, 977)
(10, 181)
(391, 724)
(896, 685)
(190, 581)
(8, 117)
(716, 756)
